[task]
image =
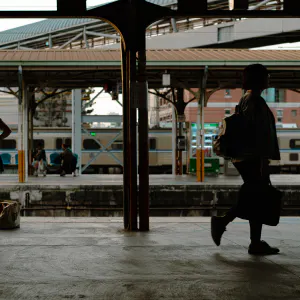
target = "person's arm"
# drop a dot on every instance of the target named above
(5, 130)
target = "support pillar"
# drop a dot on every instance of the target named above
(200, 129)
(76, 126)
(25, 132)
(143, 140)
(180, 103)
(129, 138)
(174, 135)
(21, 153)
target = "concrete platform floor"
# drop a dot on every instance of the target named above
(93, 258)
(10, 180)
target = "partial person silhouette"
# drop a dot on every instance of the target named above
(39, 160)
(253, 167)
(6, 131)
(68, 161)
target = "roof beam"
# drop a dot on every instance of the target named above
(192, 6)
(111, 36)
(76, 37)
(291, 6)
(76, 7)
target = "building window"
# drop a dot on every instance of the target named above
(227, 111)
(279, 113)
(279, 95)
(294, 113)
(227, 93)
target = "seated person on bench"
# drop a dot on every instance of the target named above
(5, 133)
(68, 161)
(39, 160)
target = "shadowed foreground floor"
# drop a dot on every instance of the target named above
(93, 258)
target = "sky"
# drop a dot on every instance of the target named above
(104, 104)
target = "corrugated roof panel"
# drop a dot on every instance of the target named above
(40, 27)
(180, 56)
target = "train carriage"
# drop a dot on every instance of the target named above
(102, 148)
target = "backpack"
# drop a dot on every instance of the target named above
(234, 139)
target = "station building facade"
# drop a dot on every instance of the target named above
(285, 105)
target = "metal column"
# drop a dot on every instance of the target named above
(180, 99)
(143, 141)
(129, 138)
(200, 129)
(21, 154)
(76, 125)
(25, 131)
(174, 135)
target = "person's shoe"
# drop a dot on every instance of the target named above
(63, 173)
(217, 229)
(262, 248)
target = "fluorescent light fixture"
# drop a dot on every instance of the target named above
(166, 79)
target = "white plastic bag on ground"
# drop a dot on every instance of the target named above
(9, 214)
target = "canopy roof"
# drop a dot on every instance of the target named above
(80, 68)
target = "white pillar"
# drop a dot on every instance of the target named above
(20, 141)
(76, 125)
(25, 132)
(174, 134)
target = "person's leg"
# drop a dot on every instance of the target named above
(63, 170)
(260, 178)
(219, 223)
(255, 231)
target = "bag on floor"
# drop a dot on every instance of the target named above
(260, 202)
(9, 214)
(42, 166)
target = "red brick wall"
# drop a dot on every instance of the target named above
(215, 114)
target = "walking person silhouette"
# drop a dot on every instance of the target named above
(253, 167)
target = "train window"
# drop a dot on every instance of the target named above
(39, 141)
(90, 144)
(117, 145)
(152, 143)
(294, 144)
(61, 141)
(8, 144)
(68, 141)
(58, 144)
(294, 156)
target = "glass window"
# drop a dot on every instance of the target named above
(227, 111)
(294, 156)
(117, 145)
(294, 113)
(90, 144)
(279, 95)
(152, 143)
(279, 113)
(8, 144)
(294, 144)
(227, 93)
(36, 142)
(68, 141)
(58, 143)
